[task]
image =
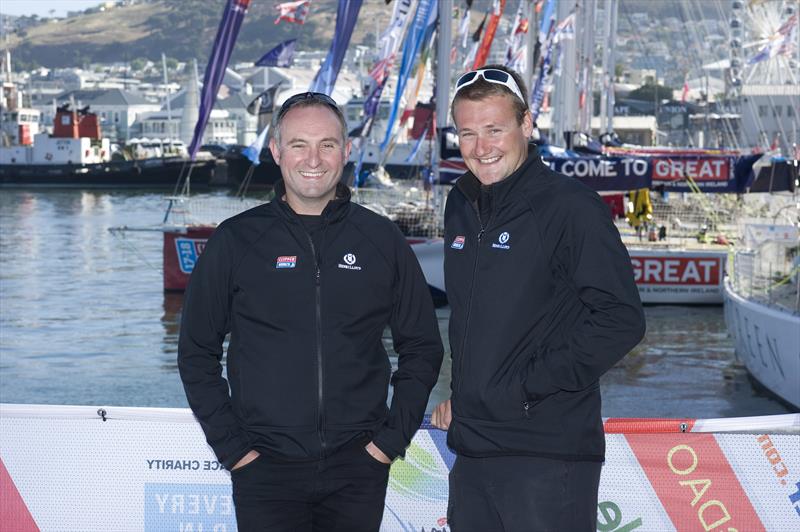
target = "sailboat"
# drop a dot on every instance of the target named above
(762, 303)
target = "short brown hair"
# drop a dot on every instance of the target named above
(482, 89)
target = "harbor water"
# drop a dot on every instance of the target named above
(84, 320)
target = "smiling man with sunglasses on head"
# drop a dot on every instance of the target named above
(542, 303)
(306, 285)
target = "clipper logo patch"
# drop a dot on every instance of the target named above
(349, 262)
(458, 242)
(286, 262)
(502, 241)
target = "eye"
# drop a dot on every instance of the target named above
(495, 131)
(466, 134)
(328, 146)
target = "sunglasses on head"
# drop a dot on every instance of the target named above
(492, 75)
(312, 97)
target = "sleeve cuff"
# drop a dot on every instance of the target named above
(392, 450)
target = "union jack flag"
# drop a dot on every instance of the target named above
(381, 69)
(782, 42)
(293, 11)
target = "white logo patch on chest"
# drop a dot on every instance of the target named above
(502, 241)
(349, 262)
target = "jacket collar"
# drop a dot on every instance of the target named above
(470, 186)
(334, 211)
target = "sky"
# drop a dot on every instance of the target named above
(43, 7)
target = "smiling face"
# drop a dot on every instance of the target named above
(492, 141)
(311, 153)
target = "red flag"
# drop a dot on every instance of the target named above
(293, 11)
(685, 93)
(488, 37)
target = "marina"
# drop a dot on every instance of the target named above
(85, 320)
(682, 116)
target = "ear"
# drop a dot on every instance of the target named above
(275, 151)
(347, 147)
(527, 125)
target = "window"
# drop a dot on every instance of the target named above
(790, 111)
(776, 111)
(762, 110)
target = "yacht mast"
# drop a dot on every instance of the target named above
(443, 46)
(609, 67)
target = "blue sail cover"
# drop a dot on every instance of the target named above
(227, 33)
(346, 16)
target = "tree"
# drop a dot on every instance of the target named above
(138, 64)
(651, 92)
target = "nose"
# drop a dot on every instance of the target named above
(482, 146)
(313, 160)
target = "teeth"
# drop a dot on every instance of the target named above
(490, 160)
(311, 174)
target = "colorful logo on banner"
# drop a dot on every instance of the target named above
(688, 271)
(195, 507)
(422, 477)
(705, 169)
(189, 249)
(694, 481)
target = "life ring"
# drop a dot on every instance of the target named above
(49, 156)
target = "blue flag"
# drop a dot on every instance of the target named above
(346, 16)
(253, 151)
(425, 15)
(227, 32)
(280, 56)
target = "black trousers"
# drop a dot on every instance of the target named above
(345, 491)
(523, 494)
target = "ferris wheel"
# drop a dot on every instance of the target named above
(764, 42)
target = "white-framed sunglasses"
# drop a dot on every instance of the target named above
(492, 75)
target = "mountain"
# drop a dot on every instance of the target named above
(182, 29)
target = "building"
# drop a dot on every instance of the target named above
(117, 110)
(770, 117)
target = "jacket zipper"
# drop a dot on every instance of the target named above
(471, 290)
(320, 402)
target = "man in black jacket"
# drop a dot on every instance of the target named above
(305, 285)
(543, 303)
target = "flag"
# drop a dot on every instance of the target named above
(782, 42)
(488, 37)
(228, 30)
(264, 102)
(685, 92)
(253, 151)
(293, 11)
(476, 42)
(346, 17)
(515, 44)
(424, 17)
(418, 144)
(463, 28)
(280, 56)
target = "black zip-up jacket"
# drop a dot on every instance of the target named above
(306, 365)
(543, 302)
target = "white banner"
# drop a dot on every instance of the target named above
(65, 468)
